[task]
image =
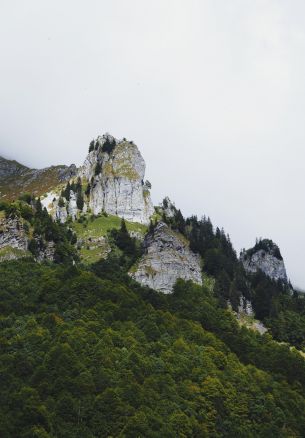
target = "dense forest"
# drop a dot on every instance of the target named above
(87, 352)
(281, 308)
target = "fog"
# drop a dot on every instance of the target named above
(212, 92)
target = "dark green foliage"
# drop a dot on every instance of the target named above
(108, 146)
(77, 188)
(80, 200)
(85, 355)
(91, 146)
(44, 230)
(90, 353)
(88, 189)
(34, 247)
(270, 299)
(265, 245)
(61, 202)
(165, 203)
(220, 260)
(127, 244)
(98, 168)
(267, 295)
(26, 197)
(66, 191)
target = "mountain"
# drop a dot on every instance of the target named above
(16, 178)
(123, 319)
(111, 181)
(265, 256)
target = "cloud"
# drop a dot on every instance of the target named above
(212, 92)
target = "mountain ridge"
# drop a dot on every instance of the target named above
(111, 327)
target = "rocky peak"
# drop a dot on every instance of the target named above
(115, 170)
(166, 258)
(266, 257)
(10, 167)
(168, 208)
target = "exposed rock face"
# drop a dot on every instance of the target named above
(265, 256)
(115, 170)
(166, 259)
(10, 167)
(72, 206)
(61, 214)
(113, 174)
(14, 241)
(12, 234)
(168, 207)
(245, 307)
(46, 251)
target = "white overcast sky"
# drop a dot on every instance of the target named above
(212, 92)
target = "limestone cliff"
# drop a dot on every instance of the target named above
(115, 171)
(266, 257)
(12, 233)
(166, 258)
(15, 239)
(111, 180)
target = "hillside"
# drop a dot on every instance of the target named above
(16, 179)
(120, 319)
(88, 353)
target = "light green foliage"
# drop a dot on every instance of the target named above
(99, 226)
(92, 255)
(9, 253)
(90, 230)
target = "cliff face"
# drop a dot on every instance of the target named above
(14, 241)
(166, 259)
(12, 234)
(115, 171)
(111, 180)
(265, 256)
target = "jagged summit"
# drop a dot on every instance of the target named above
(10, 167)
(111, 180)
(265, 256)
(115, 171)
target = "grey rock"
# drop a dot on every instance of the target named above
(15, 239)
(61, 214)
(12, 234)
(10, 167)
(265, 261)
(72, 206)
(168, 208)
(166, 258)
(245, 307)
(46, 252)
(118, 188)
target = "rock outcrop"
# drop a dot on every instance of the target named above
(115, 170)
(15, 239)
(166, 258)
(266, 257)
(111, 181)
(168, 208)
(12, 234)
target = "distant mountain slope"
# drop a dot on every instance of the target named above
(16, 178)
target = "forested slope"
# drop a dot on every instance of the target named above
(87, 352)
